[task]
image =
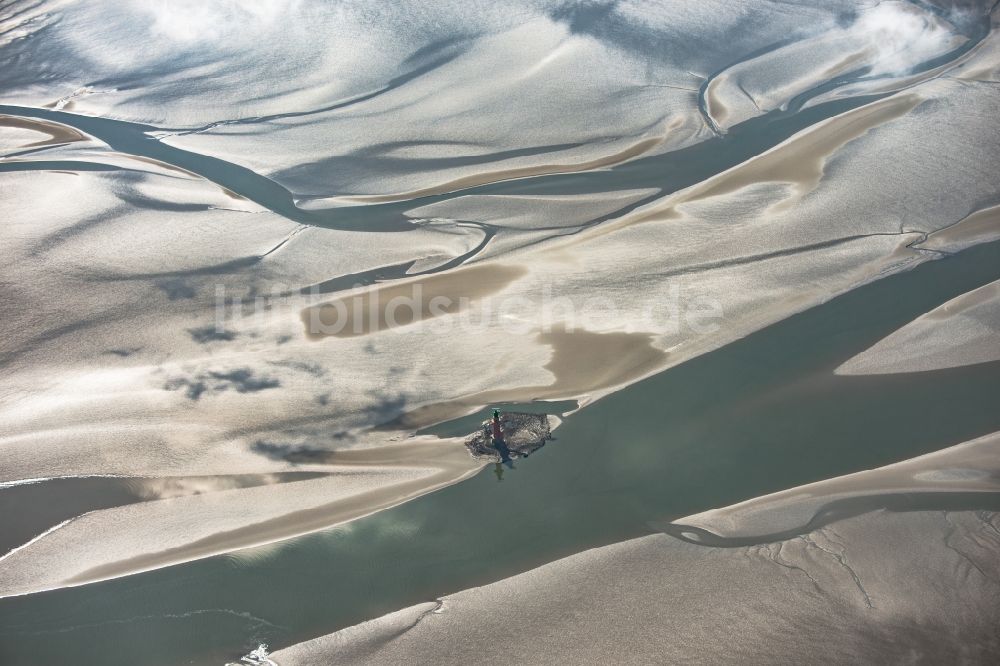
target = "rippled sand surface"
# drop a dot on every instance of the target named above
(255, 252)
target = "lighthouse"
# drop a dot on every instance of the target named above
(497, 430)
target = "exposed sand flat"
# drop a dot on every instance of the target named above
(108, 158)
(728, 102)
(714, 106)
(977, 63)
(839, 593)
(983, 70)
(56, 132)
(528, 212)
(381, 153)
(963, 331)
(632, 353)
(404, 302)
(559, 261)
(624, 358)
(971, 467)
(981, 226)
(801, 160)
(394, 82)
(158, 533)
(888, 40)
(631, 152)
(56, 500)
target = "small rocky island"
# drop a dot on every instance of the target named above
(521, 435)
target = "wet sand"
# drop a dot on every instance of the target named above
(57, 132)
(981, 226)
(800, 161)
(53, 501)
(624, 358)
(632, 152)
(963, 331)
(293, 524)
(405, 302)
(968, 473)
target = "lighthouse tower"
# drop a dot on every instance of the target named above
(497, 430)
